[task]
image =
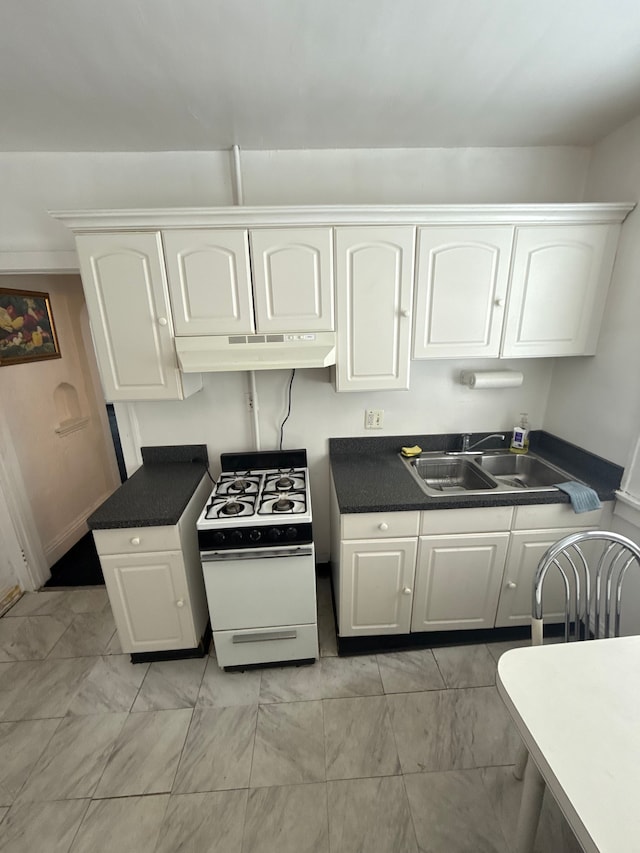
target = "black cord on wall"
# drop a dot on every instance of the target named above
(286, 418)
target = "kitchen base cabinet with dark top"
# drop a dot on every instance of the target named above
(413, 576)
(146, 539)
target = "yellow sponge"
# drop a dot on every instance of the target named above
(411, 451)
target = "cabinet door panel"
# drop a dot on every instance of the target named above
(127, 299)
(460, 291)
(293, 279)
(458, 581)
(150, 601)
(525, 551)
(374, 277)
(376, 586)
(209, 281)
(559, 280)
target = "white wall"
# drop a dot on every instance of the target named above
(218, 416)
(33, 183)
(595, 401)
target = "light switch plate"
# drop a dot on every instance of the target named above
(373, 418)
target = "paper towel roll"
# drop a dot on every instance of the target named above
(491, 378)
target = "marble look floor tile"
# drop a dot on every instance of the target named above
(466, 666)
(220, 689)
(368, 815)
(487, 727)
(45, 688)
(114, 647)
(170, 684)
(218, 750)
(111, 685)
(26, 827)
(499, 648)
(146, 754)
(29, 637)
(405, 672)
(328, 678)
(428, 732)
(290, 819)
(359, 741)
(326, 618)
(88, 634)
(203, 823)
(21, 745)
(3, 812)
(505, 791)
(86, 600)
(44, 603)
(289, 746)
(74, 759)
(127, 823)
(452, 813)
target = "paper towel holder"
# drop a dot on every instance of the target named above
(491, 378)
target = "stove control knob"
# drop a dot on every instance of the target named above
(236, 536)
(219, 536)
(275, 533)
(291, 533)
(255, 535)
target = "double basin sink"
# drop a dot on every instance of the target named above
(443, 474)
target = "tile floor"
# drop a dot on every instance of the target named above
(389, 753)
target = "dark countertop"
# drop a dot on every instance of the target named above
(369, 476)
(157, 493)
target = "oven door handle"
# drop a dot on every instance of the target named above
(254, 554)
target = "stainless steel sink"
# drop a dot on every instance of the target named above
(439, 475)
(523, 471)
(446, 474)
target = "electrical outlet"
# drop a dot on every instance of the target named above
(373, 418)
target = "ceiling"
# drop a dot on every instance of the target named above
(153, 75)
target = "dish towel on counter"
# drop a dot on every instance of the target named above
(583, 499)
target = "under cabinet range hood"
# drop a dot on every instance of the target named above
(205, 354)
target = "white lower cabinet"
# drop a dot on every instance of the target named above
(474, 568)
(154, 581)
(376, 586)
(458, 581)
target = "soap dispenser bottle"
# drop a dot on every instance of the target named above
(520, 437)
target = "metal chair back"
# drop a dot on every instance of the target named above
(602, 570)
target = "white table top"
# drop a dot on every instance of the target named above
(577, 708)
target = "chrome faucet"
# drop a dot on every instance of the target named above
(466, 436)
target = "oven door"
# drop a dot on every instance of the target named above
(260, 587)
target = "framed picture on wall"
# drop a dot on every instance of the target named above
(27, 331)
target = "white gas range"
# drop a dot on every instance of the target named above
(258, 560)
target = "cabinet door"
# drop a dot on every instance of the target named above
(525, 551)
(559, 281)
(150, 601)
(374, 278)
(458, 581)
(461, 288)
(126, 293)
(209, 281)
(293, 279)
(376, 586)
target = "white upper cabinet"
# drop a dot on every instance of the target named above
(461, 290)
(559, 280)
(293, 279)
(374, 282)
(209, 281)
(126, 293)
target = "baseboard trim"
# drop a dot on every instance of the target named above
(73, 532)
(8, 598)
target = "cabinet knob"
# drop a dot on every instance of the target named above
(383, 526)
(407, 590)
(404, 312)
(511, 585)
(499, 303)
(162, 321)
(135, 540)
(180, 602)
